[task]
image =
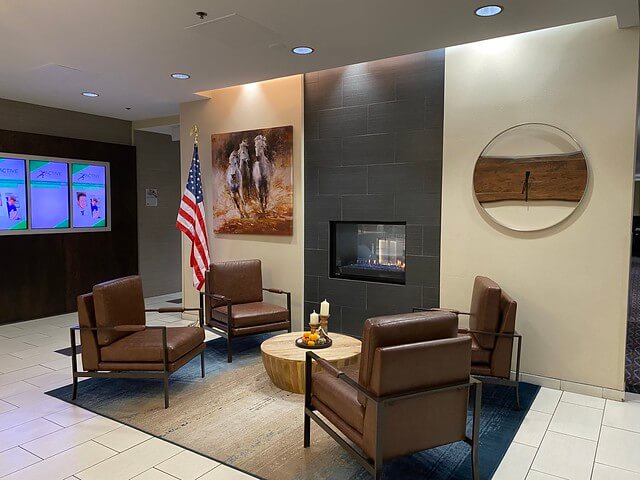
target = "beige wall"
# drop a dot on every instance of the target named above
(570, 281)
(266, 104)
(27, 117)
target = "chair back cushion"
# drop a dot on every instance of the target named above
(485, 310)
(241, 281)
(415, 352)
(393, 330)
(502, 352)
(118, 302)
(88, 339)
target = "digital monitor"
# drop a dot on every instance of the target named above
(89, 195)
(49, 189)
(13, 194)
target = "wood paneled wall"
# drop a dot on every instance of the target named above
(43, 274)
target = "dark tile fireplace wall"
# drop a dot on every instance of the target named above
(373, 151)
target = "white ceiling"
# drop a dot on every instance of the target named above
(51, 51)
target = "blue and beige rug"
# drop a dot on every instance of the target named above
(236, 416)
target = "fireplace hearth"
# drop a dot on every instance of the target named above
(369, 251)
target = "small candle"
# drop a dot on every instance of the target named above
(324, 308)
(314, 319)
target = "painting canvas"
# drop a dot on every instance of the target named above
(253, 181)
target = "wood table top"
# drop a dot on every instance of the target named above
(284, 347)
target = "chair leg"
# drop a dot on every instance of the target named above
(166, 391)
(378, 474)
(229, 349)
(74, 391)
(517, 387)
(202, 364)
(307, 430)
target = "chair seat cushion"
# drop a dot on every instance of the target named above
(146, 345)
(252, 314)
(341, 398)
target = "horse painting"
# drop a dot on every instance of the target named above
(234, 183)
(253, 181)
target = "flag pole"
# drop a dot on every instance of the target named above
(195, 133)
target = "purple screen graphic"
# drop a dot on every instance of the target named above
(49, 194)
(13, 194)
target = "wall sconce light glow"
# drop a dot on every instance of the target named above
(489, 11)
(180, 76)
(302, 50)
(90, 94)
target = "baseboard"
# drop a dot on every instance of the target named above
(566, 386)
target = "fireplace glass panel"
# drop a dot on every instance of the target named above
(368, 251)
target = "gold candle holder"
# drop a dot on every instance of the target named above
(324, 323)
(313, 328)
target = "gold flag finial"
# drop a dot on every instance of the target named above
(195, 133)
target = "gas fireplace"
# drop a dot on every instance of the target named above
(370, 251)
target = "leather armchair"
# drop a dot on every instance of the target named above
(117, 343)
(234, 305)
(386, 406)
(492, 320)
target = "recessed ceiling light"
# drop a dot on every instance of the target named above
(489, 11)
(180, 76)
(302, 50)
(90, 94)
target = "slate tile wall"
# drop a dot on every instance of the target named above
(373, 151)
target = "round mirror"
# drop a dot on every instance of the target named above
(530, 177)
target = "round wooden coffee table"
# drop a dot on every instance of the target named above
(284, 362)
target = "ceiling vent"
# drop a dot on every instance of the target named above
(234, 30)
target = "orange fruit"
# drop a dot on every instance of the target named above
(306, 334)
(314, 336)
(311, 343)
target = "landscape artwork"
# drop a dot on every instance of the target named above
(253, 181)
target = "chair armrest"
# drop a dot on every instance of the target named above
(215, 296)
(171, 310)
(130, 328)
(494, 334)
(276, 290)
(326, 366)
(457, 312)
(118, 328)
(339, 374)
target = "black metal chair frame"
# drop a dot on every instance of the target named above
(487, 378)
(163, 374)
(228, 333)
(375, 466)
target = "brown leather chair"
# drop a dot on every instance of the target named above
(409, 393)
(492, 321)
(234, 305)
(117, 343)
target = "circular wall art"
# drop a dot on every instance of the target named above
(531, 177)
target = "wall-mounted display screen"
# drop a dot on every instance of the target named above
(49, 194)
(13, 194)
(89, 195)
(53, 195)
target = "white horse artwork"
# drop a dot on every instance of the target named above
(245, 169)
(234, 183)
(253, 181)
(262, 172)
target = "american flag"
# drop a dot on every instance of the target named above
(191, 221)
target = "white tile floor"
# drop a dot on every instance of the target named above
(575, 437)
(564, 436)
(45, 438)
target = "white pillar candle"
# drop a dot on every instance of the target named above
(324, 308)
(314, 318)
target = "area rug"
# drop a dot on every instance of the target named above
(238, 417)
